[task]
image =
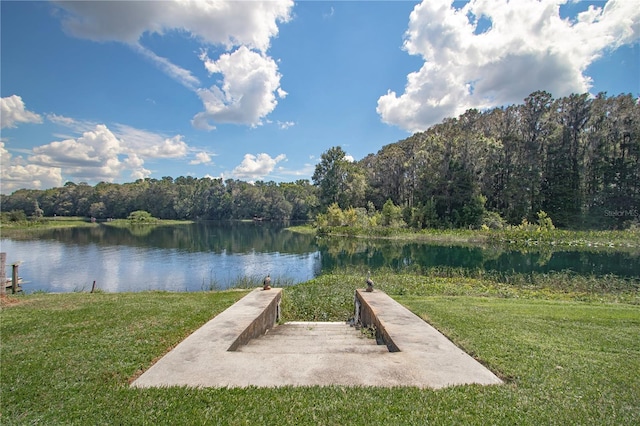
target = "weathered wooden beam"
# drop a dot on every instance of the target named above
(14, 277)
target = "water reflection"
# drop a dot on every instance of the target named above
(191, 257)
(340, 253)
(203, 256)
(217, 237)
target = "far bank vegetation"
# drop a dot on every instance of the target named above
(570, 163)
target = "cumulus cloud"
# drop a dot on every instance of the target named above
(136, 165)
(527, 47)
(99, 154)
(201, 158)
(247, 25)
(93, 156)
(149, 144)
(220, 22)
(15, 174)
(13, 111)
(256, 167)
(247, 93)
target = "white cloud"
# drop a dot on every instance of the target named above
(150, 144)
(61, 119)
(285, 124)
(104, 155)
(329, 14)
(528, 47)
(12, 111)
(229, 23)
(98, 154)
(247, 93)
(201, 158)
(78, 126)
(221, 22)
(256, 167)
(15, 174)
(93, 156)
(136, 165)
(179, 74)
(133, 141)
(305, 172)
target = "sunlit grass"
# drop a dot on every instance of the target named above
(567, 357)
(29, 227)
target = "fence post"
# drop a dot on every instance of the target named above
(14, 278)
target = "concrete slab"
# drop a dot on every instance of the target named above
(313, 338)
(213, 355)
(439, 361)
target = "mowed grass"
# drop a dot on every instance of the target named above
(566, 358)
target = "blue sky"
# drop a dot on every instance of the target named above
(117, 91)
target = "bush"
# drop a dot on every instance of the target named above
(141, 216)
(493, 220)
(544, 222)
(14, 216)
(392, 215)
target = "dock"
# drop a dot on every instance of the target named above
(246, 346)
(9, 286)
(13, 283)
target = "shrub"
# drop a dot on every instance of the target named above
(141, 216)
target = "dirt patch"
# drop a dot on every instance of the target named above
(7, 301)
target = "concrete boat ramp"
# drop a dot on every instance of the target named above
(244, 346)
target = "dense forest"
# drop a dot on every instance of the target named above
(576, 158)
(167, 198)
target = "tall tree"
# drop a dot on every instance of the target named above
(535, 128)
(339, 180)
(562, 185)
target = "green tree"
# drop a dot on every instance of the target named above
(535, 129)
(339, 180)
(334, 215)
(141, 216)
(392, 215)
(98, 210)
(562, 184)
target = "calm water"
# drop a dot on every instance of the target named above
(216, 255)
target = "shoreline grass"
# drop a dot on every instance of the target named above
(27, 229)
(10, 228)
(126, 223)
(569, 357)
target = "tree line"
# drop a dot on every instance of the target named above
(577, 158)
(183, 198)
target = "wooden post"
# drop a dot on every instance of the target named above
(93, 287)
(14, 278)
(3, 273)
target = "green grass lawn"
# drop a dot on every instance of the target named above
(566, 358)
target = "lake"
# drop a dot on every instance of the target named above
(217, 255)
